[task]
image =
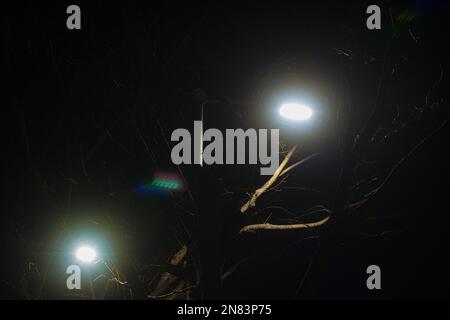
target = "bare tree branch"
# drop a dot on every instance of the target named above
(278, 173)
(251, 202)
(268, 226)
(172, 293)
(375, 193)
(166, 279)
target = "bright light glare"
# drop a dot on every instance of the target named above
(295, 111)
(86, 254)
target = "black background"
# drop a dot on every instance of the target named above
(87, 115)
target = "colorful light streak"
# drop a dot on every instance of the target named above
(162, 185)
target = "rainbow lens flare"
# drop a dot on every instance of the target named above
(162, 184)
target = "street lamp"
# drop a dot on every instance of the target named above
(295, 111)
(86, 254)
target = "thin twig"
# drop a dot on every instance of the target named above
(395, 168)
(162, 296)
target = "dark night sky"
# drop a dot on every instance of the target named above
(87, 115)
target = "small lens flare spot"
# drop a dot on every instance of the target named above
(407, 16)
(86, 254)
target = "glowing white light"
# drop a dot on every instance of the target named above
(295, 111)
(86, 254)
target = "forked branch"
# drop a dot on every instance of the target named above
(281, 171)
